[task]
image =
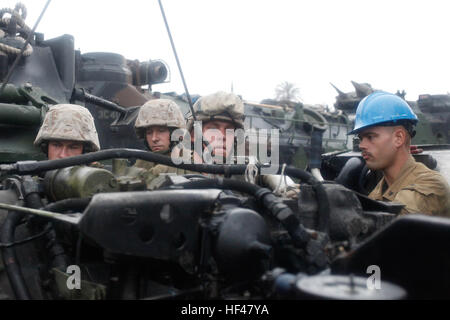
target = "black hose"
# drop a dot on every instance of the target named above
(74, 204)
(47, 229)
(280, 211)
(322, 198)
(55, 250)
(33, 200)
(28, 167)
(10, 261)
(350, 173)
(219, 183)
(57, 254)
(34, 167)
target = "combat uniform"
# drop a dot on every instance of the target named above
(218, 106)
(147, 165)
(73, 123)
(158, 112)
(419, 188)
(150, 170)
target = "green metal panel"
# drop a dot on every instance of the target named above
(14, 114)
(16, 144)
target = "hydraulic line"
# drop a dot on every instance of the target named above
(74, 204)
(34, 167)
(9, 256)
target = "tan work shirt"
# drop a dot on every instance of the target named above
(419, 188)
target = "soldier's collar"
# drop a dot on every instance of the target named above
(393, 189)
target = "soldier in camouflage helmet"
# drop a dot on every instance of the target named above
(68, 130)
(156, 121)
(221, 111)
(221, 106)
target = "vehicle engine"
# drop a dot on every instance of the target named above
(200, 238)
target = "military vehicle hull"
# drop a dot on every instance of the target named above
(433, 112)
(294, 122)
(54, 72)
(69, 230)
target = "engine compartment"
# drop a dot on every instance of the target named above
(200, 238)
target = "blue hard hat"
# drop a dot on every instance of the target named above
(382, 108)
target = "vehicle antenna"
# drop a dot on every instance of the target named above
(178, 61)
(204, 141)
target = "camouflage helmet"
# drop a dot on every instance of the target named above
(220, 106)
(159, 112)
(68, 122)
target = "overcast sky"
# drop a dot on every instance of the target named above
(257, 44)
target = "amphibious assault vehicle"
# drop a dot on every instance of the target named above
(433, 112)
(72, 231)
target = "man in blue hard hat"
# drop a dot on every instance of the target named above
(385, 124)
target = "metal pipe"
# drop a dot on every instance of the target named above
(80, 94)
(72, 218)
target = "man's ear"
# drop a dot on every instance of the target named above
(399, 137)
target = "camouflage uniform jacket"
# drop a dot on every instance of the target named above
(152, 170)
(147, 165)
(419, 188)
(156, 168)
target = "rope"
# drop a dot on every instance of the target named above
(19, 13)
(9, 50)
(20, 19)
